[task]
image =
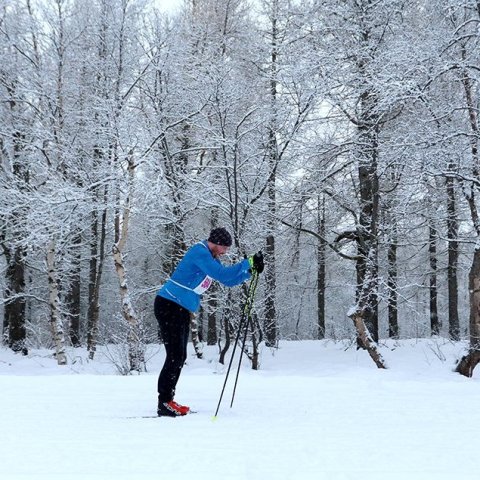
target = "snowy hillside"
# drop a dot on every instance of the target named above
(316, 410)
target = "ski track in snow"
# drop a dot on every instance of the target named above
(315, 410)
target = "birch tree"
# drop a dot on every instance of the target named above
(461, 49)
(122, 155)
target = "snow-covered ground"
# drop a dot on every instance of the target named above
(316, 410)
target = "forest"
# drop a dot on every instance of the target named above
(340, 137)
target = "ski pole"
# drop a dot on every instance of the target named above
(246, 314)
(249, 321)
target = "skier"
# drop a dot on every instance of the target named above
(179, 298)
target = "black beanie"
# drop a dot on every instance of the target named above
(220, 236)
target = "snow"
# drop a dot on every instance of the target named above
(316, 410)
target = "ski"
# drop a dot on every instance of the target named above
(163, 416)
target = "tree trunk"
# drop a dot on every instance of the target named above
(73, 296)
(321, 272)
(227, 328)
(368, 256)
(195, 340)
(56, 322)
(367, 341)
(452, 232)
(270, 322)
(364, 338)
(369, 212)
(468, 363)
(392, 296)
(14, 310)
(255, 356)
(93, 288)
(433, 293)
(201, 324)
(97, 258)
(212, 337)
(135, 348)
(136, 352)
(224, 350)
(15, 274)
(212, 300)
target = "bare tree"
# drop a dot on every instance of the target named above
(460, 53)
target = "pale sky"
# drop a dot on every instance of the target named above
(168, 5)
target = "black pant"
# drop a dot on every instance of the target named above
(174, 323)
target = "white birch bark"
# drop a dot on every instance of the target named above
(55, 317)
(195, 338)
(135, 349)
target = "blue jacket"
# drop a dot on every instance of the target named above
(194, 275)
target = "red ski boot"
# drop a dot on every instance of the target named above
(171, 409)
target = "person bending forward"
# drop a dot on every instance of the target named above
(180, 297)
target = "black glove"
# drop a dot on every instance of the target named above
(256, 262)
